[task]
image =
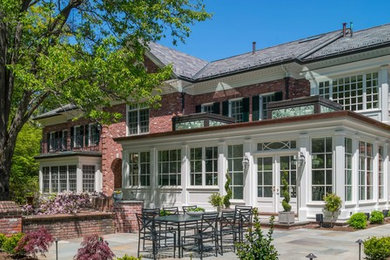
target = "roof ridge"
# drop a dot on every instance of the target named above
(182, 52)
(319, 47)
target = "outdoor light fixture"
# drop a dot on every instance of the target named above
(245, 163)
(360, 242)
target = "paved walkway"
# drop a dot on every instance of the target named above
(291, 244)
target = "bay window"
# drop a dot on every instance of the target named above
(322, 165)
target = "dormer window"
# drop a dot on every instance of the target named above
(137, 120)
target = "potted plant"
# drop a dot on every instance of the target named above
(195, 211)
(216, 200)
(332, 208)
(287, 216)
(228, 189)
(118, 195)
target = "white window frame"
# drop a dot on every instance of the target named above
(75, 136)
(139, 170)
(137, 108)
(231, 106)
(202, 107)
(381, 173)
(261, 102)
(90, 134)
(94, 178)
(50, 188)
(364, 171)
(203, 171)
(179, 166)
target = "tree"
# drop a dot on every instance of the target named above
(81, 52)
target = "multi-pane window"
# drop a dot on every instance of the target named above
(46, 179)
(322, 165)
(235, 168)
(359, 92)
(264, 177)
(204, 162)
(169, 167)
(89, 178)
(72, 173)
(63, 178)
(137, 120)
(236, 110)
(54, 178)
(348, 169)
(94, 134)
(365, 171)
(139, 169)
(264, 100)
(78, 136)
(207, 108)
(64, 140)
(380, 173)
(288, 165)
(57, 141)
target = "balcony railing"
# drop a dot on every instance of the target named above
(200, 120)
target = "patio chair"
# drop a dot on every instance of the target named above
(227, 226)
(186, 208)
(207, 233)
(147, 231)
(172, 210)
(242, 207)
(243, 219)
(191, 225)
(154, 211)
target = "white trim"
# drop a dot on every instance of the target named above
(138, 109)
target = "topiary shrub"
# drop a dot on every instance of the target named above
(258, 245)
(94, 247)
(377, 248)
(228, 189)
(11, 242)
(358, 221)
(332, 205)
(376, 217)
(35, 242)
(285, 192)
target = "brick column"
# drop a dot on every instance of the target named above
(125, 218)
(10, 218)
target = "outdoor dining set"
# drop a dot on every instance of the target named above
(197, 232)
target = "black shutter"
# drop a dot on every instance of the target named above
(48, 142)
(198, 109)
(278, 96)
(98, 132)
(59, 141)
(86, 135)
(216, 109)
(81, 135)
(225, 108)
(245, 109)
(71, 137)
(255, 108)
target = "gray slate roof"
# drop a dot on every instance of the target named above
(303, 50)
(56, 111)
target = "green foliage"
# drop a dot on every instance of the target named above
(258, 246)
(164, 213)
(216, 199)
(376, 217)
(228, 189)
(285, 192)
(24, 171)
(198, 209)
(11, 242)
(332, 202)
(126, 257)
(358, 221)
(2, 239)
(377, 248)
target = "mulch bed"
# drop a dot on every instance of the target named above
(5, 256)
(344, 227)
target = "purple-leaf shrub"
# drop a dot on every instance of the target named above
(94, 248)
(62, 203)
(34, 242)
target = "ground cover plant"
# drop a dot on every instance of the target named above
(377, 248)
(358, 221)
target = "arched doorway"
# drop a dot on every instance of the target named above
(116, 168)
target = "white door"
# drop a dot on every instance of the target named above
(269, 182)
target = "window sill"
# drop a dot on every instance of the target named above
(366, 202)
(169, 187)
(213, 188)
(137, 187)
(138, 134)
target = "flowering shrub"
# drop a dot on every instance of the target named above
(34, 242)
(62, 203)
(94, 248)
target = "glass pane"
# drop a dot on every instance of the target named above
(318, 145)
(267, 178)
(268, 192)
(238, 193)
(237, 178)
(317, 193)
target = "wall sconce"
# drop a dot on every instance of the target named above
(245, 163)
(299, 160)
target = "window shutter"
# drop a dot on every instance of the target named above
(216, 109)
(278, 96)
(198, 109)
(255, 108)
(48, 142)
(245, 109)
(81, 135)
(86, 127)
(225, 108)
(71, 137)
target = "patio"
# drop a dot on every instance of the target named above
(291, 244)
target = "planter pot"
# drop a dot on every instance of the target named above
(286, 217)
(118, 196)
(329, 220)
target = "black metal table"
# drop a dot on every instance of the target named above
(178, 220)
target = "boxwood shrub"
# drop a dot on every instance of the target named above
(11, 242)
(376, 217)
(358, 220)
(377, 248)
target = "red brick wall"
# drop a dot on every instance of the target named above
(69, 226)
(299, 88)
(10, 218)
(125, 218)
(160, 118)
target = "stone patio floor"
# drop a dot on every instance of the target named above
(291, 244)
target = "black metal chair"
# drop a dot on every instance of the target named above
(155, 211)
(227, 226)
(189, 225)
(172, 210)
(242, 207)
(243, 222)
(186, 208)
(206, 233)
(147, 231)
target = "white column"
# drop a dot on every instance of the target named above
(79, 174)
(154, 198)
(185, 172)
(303, 178)
(384, 92)
(355, 171)
(222, 166)
(375, 174)
(248, 175)
(40, 179)
(339, 172)
(386, 180)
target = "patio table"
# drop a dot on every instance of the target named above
(178, 220)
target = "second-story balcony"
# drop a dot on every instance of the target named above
(200, 120)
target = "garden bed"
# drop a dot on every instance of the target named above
(344, 227)
(6, 256)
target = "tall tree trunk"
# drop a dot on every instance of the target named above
(5, 170)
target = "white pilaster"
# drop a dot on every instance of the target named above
(154, 193)
(375, 176)
(339, 172)
(40, 179)
(303, 178)
(384, 92)
(386, 180)
(79, 174)
(222, 166)
(355, 171)
(248, 175)
(185, 172)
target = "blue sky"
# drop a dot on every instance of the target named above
(237, 23)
